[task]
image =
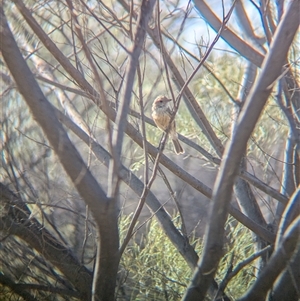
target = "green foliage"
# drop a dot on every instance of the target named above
(239, 247)
(152, 269)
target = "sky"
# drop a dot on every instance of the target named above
(203, 31)
(198, 30)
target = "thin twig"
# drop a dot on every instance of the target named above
(174, 197)
(233, 272)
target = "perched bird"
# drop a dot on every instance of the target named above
(161, 115)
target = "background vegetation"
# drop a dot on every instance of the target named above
(95, 205)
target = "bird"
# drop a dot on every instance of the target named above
(161, 114)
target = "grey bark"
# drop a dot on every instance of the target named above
(190, 100)
(288, 184)
(132, 132)
(102, 208)
(15, 220)
(287, 287)
(123, 108)
(4, 280)
(242, 189)
(234, 150)
(249, 53)
(282, 262)
(279, 260)
(137, 187)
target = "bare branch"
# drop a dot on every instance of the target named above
(241, 265)
(21, 288)
(228, 35)
(6, 281)
(287, 286)
(190, 100)
(137, 186)
(243, 173)
(235, 149)
(178, 240)
(35, 234)
(278, 261)
(103, 210)
(131, 131)
(247, 26)
(291, 212)
(123, 108)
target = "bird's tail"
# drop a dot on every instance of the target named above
(177, 147)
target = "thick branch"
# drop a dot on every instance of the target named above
(130, 130)
(190, 100)
(6, 281)
(287, 285)
(279, 260)
(243, 173)
(291, 212)
(17, 222)
(102, 208)
(235, 149)
(228, 35)
(21, 289)
(137, 187)
(121, 118)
